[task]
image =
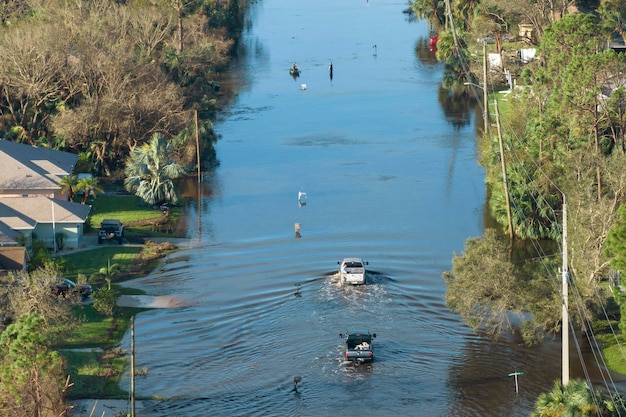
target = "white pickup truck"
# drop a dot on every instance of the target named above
(352, 271)
(359, 346)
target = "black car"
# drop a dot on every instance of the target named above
(65, 286)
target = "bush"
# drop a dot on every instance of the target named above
(105, 300)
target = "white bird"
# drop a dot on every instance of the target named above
(303, 86)
(301, 198)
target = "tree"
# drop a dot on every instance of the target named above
(68, 185)
(33, 382)
(151, 170)
(32, 293)
(613, 17)
(577, 399)
(615, 244)
(482, 286)
(89, 187)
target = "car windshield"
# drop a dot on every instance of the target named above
(354, 265)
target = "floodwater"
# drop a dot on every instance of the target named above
(390, 172)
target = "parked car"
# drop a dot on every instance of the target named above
(352, 271)
(65, 286)
(111, 229)
(359, 346)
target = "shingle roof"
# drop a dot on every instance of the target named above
(12, 258)
(8, 236)
(30, 167)
(25, 213)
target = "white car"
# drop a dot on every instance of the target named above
(352, 271)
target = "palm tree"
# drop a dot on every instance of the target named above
(577, 398)
(151, 170)
(68, 185)
(90, 187)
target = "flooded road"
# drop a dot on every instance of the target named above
(390, 176)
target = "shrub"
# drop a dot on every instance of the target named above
(105, 300)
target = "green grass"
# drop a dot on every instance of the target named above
(126, 208)
(98, 330)
(614, 356)
(89, 262)
(97, 367)
(94, 375)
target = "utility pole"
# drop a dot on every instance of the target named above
(565, 313)
(132, 366)
(485, 93)
(504, 177)
(197, 143)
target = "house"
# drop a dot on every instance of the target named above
(58, 223)
(32, 203)
(30, 171)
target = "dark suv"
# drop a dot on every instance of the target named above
(111, 229)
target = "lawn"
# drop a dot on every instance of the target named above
(91, 261)
(126, 208)
(96, 374)
(130, 209)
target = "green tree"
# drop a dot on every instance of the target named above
(613, 17)
(33, 382)
(105, 300)
(482, 286)
(89, 187)
(151, 170)
(577, 399)
(68, 185)
(615, 243)
(432, 10)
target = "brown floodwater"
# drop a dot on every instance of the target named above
(388, 163)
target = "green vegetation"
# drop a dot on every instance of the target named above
(97, 371)
(151, 171)
(135, 68)
(33, 380)
(96, 374)
(126, 208)
(90, 262)
(577, 398)
(141, 221)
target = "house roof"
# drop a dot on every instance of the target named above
(8, 236)
(25, 213)
(33, 168)
(12, 258)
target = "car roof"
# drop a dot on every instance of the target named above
(352, 260)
